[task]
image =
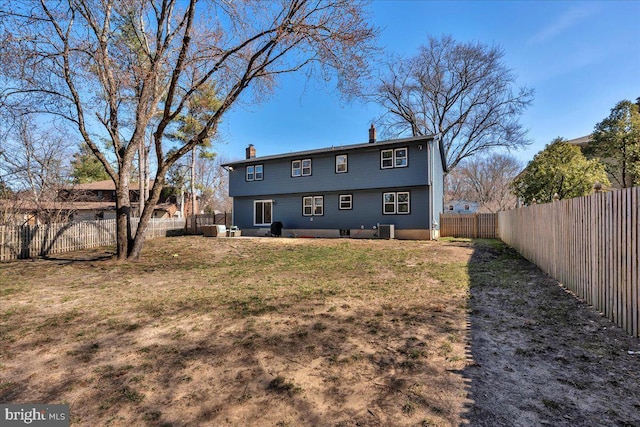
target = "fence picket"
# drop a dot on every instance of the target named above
(40, 240)
(591, 246)
(483, 225)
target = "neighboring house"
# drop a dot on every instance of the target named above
(105, 191)
(20, 211)
(461, 207)
(581, 142)
(87, 202)
(342, 190)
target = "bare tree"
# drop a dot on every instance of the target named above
(213, 185)
(462, 91)
(109, 67)
(32, 164)
(485, 180)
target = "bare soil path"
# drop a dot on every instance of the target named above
(541, 356)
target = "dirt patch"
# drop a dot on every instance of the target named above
(284, 332)
(541, 356)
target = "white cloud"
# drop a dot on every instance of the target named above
(564, 22)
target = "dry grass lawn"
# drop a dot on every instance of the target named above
(310, 332)
(281, 332)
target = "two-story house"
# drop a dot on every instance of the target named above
(344, 191)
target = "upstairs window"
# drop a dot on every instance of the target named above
(386, 159)
(254, 173)
(341, 163)
(394, 158)
(313, 206)
(401, 155)
(300, 168)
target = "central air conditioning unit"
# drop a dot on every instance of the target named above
(386, 231)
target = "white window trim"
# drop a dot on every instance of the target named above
(394, 158)
(294, 168)
(396, 203)
(350, 201)
(384, 204)
(255, 202)
(405, 157)
(254, 173)
(382, 159)
(314, 206)
(408, 203)
(298, 165)
(303, 167)
(345, 163)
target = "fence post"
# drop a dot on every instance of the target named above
(476, 218)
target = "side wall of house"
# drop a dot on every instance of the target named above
(438, 184)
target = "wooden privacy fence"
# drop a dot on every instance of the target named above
(222, 218)
(484, 225)
(40, 240)
(591, 245)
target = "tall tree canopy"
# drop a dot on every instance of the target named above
(560, 168)
(120, 70)
(616, 141)
(462, 91)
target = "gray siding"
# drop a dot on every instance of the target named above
(365, 180)
(366, 211)
(364, 172)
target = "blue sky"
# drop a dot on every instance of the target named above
(580, 57)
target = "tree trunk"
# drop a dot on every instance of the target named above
(123, 219)
(142, 181)
(138, 241)
(194, 226)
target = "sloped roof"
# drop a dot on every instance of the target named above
(106, 185)
(582, 142)
(339, 148)
(27, 205)
(97, 185)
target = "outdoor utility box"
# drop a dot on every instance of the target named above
(276, 229)
(214, 230)
(386, 231)
(234, 231)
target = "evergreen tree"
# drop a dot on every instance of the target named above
(616, 141)
(561, 169)
(86, 167)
